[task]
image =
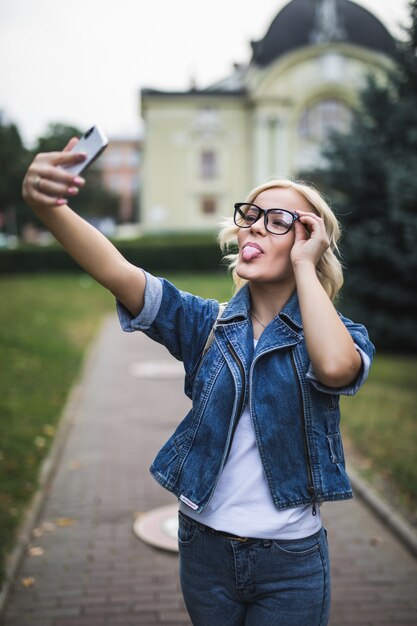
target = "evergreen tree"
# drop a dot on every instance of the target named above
(14, 159)
(372, 176)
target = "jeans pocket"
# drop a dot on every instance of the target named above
(298, 548)
(187, 531)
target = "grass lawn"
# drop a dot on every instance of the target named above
(46, 322)
(380, 421)
(45, 325)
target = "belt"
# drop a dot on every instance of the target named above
(221, 533)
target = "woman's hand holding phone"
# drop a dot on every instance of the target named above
(54, 176)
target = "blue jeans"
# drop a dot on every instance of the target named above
(226, 582)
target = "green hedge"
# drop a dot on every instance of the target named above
(180, 254)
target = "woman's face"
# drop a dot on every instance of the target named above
(273, 263)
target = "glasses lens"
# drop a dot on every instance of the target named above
(279, 221)
(246, 215)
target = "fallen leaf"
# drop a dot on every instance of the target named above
(63, 522)
(36, 551)
(45, 527)
(75, 464)
(28, 582)
(40, 442)
(376, 541)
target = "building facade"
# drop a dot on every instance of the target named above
(205, 149)
(120, 167)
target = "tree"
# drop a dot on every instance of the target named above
(94, 200)
(14, 159)
(372, 175)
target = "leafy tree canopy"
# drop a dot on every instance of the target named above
(14, 159)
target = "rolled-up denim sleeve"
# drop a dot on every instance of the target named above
(351, 389)
(152, 303)
(176, 319)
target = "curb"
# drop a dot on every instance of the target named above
(402, 529)
(47, 472)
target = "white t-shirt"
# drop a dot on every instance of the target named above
(242, 503)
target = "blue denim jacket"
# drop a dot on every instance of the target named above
(295, 417)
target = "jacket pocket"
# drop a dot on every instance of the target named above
(336, 448)
(167, 457)
(333, 402)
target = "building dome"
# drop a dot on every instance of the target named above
(307, 22)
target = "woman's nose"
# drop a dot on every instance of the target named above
(259, 226)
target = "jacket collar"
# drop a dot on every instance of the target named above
(239, 309)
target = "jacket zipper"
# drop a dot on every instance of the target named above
(236, 420)
(242, 398)
(310, 489)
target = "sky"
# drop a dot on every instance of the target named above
(83, 62)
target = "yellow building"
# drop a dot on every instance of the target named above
(206, 148)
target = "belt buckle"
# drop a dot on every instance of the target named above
(235, 538)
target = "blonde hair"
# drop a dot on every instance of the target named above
(329, 268)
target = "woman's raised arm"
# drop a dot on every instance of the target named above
(46, 188)
(332, 352)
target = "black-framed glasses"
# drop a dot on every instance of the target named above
(277, 221)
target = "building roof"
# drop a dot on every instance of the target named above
(218, 89)
(299, 24)
(305, 22)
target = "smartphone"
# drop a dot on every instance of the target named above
(93, 142)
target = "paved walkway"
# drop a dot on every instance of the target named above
(93, 570)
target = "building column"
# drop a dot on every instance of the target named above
(260, 163)
(282, 149)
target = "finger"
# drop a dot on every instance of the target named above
(72, 142)
(59, 175)
(40, 198)
(54, 189)
(312, 222)
(317, 230)
(69, 158)
(57, 158)
(300, 224)
(301, 231)
(312, 213)
(309, 216)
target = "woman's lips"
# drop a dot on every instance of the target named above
(251, 251)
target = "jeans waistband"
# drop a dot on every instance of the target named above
(213, 531)
(233, 537)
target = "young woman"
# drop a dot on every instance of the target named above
(260, 449)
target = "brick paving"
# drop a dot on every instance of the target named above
(95, 572)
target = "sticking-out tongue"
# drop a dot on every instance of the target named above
(250, 252)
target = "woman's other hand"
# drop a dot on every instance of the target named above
(311, 240)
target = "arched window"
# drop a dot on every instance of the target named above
(320, 119)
